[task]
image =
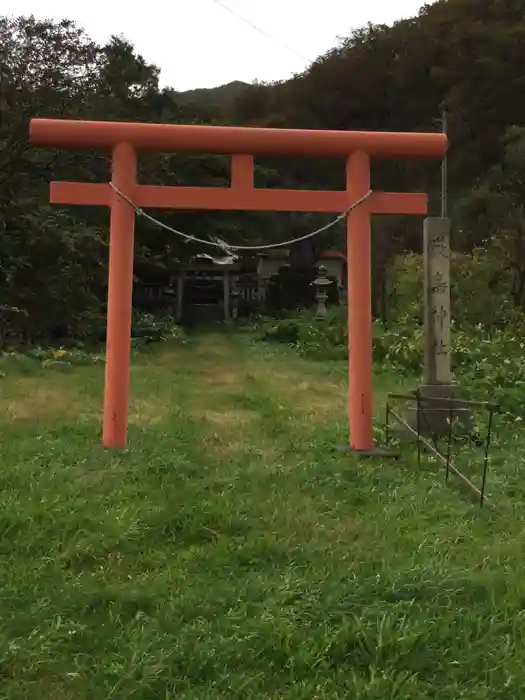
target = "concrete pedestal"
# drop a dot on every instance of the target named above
(439, 404)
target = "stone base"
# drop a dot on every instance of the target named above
(381, 452)
(439, 403)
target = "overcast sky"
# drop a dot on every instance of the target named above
(198, 43)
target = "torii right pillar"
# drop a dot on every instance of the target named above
(358, 252)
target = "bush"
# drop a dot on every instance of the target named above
(488, 332)
(146, 329)
(320, 339)
(480, 290)
(488, 364)
(151, 328)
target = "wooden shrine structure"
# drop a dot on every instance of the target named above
(125, 140)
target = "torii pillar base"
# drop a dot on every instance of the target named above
(377, 452)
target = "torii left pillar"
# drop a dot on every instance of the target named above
(120, 294)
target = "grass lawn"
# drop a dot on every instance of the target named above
(231, 554)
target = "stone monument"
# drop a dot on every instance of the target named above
(439, 403)
(436, 245)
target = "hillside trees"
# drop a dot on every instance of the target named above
(465, 54)
(51, 268)
(492, 218)
(53, 259)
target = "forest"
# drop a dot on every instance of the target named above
(465, 56)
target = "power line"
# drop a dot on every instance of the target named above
(261, 31)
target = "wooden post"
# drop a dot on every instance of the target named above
(180, 296)
(120, 287)
(226, 292)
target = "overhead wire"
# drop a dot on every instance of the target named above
(262, 31)
(223, 245)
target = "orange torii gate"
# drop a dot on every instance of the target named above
(243, 144)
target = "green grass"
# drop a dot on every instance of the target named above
(231, 554)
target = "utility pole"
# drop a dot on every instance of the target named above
(444, 168)
(443, 123)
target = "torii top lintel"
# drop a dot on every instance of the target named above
(66, 133)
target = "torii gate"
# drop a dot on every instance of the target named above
(242, 143)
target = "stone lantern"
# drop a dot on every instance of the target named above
(321, 294)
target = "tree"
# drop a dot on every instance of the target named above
(47, 70)
(492, 217)
(464, 54)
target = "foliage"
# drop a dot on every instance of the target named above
(494, 211)
(53, 275)
(480, 289)
(152, 328)
(310, 337)
(488, 363)
(146, 329)
(488, 332)
(54, 260)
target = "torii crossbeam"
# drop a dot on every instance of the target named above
(242, 143)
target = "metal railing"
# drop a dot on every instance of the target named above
(453, 406)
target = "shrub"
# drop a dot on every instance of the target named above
(479, 290)
(151, 328)
(488, 364)
(320, 339)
